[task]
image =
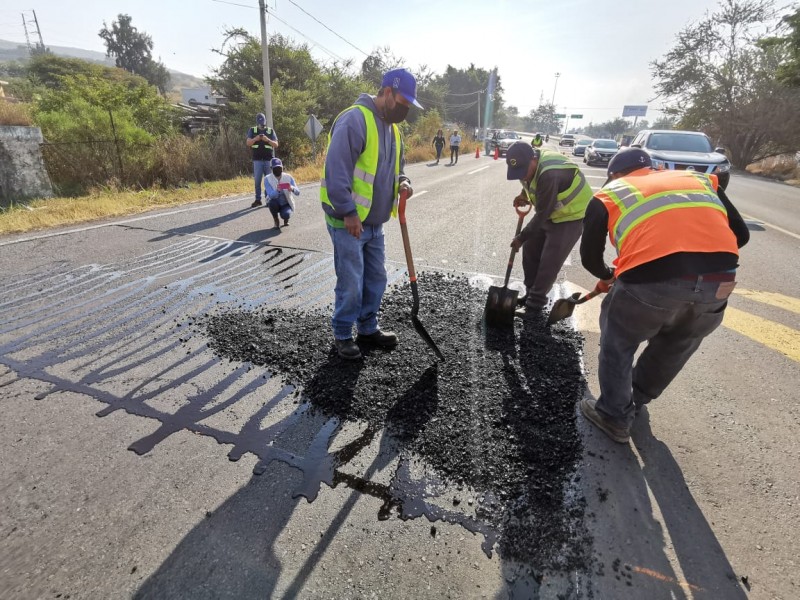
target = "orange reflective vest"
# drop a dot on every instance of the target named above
(652, 214)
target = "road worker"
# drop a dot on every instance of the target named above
(558, 190)
(536, 142)
(362, 179)
(677, 237)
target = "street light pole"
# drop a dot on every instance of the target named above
(553, 101)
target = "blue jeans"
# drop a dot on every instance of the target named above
(280, 206)
(360, 280)
(261, 168)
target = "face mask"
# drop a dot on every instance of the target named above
(277, 172)
(396, 114)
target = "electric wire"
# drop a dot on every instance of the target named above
(314, 43)
(328, 28)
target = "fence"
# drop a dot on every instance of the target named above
(75, 167)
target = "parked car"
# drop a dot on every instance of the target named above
(600, 152)
(684, 150)
(567, 140)
(504, 140)
(580, 147)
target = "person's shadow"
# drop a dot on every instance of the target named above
(233, 554)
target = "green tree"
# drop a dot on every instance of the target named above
(789, 46)
(720, 80)
(542, 119)
(665, 122)
(132, 51)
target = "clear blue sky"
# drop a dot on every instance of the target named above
(601, 49)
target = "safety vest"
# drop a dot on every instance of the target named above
(267, 132)
(535, 143)
(571, 203)
(652, 214)
(365, 168)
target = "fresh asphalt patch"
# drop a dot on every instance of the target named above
(492, 428)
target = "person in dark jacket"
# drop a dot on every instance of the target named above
(677, 237)
(438, 143)
(262, 141)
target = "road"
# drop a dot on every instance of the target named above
(704, 503)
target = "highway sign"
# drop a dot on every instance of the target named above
(576, 116)
(560, 116)
(634, 111)
(313, 128)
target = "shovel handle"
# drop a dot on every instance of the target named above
(401, 209)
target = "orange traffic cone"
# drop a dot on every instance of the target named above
(478, 152)
(496, 152)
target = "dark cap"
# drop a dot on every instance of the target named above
(261, 119)
(275, 162)
(518, 156)
(403, 82)
(629, 160)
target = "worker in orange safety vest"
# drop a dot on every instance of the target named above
(677, 237)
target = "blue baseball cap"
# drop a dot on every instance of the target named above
(518, 157)
(276, 162)
(628, 160)
(404, 82)
(261, 119)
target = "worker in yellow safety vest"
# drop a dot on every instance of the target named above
(360, 186)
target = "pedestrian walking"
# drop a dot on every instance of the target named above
(558, 191)
(455, 142)
(677, 237)
(280, 187)
(262, 141)
(362, 179)
(438, 143)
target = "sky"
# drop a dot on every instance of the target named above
(602, 50)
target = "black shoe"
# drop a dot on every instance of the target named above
(522, 299)
(286, 222)
(256, 202)
(381, 339)
(348, 349)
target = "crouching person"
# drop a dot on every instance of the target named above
(280, 187)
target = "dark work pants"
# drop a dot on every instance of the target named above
(453, 152)
(543, 256)
(673, 317)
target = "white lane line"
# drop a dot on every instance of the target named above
(476, 170)
(419, 193)
(120, 222)
(596, 177)
(775, 227)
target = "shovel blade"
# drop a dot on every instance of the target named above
(563, 308)
(423, 333)
(500, 306)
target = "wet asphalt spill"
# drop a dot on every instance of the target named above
(494, 424)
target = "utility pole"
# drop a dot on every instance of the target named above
(265, 63)
(479, 112)
(553, 101)
(39, 31)
(27, 37)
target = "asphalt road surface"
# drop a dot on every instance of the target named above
(115, 483)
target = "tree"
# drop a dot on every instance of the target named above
(542, 119)
(132, 50)
(665, 122)
(789, 45)
(721, 80)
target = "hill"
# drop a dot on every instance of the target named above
(16, 52)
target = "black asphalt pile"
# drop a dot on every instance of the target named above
(496, 418)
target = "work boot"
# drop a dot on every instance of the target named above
(381, 339)
(522, 299)
(348, 349)
(277, 223)
(256, 202)
(616, 432)
(286, 222)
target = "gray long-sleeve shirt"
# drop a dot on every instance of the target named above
(548, 187)
(348, 141)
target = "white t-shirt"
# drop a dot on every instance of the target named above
(455, 140)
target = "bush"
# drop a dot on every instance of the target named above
(12, 113)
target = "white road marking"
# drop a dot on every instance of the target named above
(476, 170)
(603, 177)
(775, 227)
(419, 193)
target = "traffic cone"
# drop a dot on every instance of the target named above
(496, 153)
(478, 152)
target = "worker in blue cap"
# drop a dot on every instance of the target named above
(360, 187)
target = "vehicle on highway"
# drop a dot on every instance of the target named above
(600, 152)
(580, 147)
(504, 140)
(684, 150)
(567, 140)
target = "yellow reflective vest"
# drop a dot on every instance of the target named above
(571, 203)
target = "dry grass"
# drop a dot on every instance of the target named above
(785, 168)
(41, 214)
(13, 113)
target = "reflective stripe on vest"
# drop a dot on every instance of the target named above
(655, 214)
(571, 203)
(267, 131)
(365, 168)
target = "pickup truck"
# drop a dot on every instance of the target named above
(567, 140)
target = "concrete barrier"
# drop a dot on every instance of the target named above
(22, 172)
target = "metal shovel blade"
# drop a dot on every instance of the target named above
(500, 306)
(423, 333)
(563, 308)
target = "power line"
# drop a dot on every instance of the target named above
(328, 28)
(317, 44)
(235, 4)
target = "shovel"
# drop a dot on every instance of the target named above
(502, 302)
(564, 307)
(412, 275)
